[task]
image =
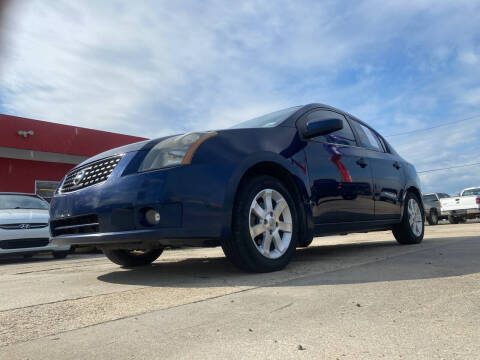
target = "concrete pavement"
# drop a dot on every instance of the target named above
(360, 296)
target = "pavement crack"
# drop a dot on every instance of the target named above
(282, 307)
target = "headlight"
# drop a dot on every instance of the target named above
(177, 150)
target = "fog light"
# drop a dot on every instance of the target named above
(152, 217)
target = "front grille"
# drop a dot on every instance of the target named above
(23, 226)
(23, 243)
(84, 224)
(90, 174)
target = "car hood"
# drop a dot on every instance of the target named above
(143, 145)
(19, 216)
(120, 150)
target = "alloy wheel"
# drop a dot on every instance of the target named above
(270, 223)
(415, 217)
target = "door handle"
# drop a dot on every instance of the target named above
(361, 162)
(396, 165)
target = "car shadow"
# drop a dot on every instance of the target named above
(319, 265)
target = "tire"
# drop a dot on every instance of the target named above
(406, 233)
(272, 248)
(60, 254)
(303, 243)
(453, 219)
(432, 218)
(132, 258)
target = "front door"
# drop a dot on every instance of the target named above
(340, 176)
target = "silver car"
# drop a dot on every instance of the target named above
(24, 226)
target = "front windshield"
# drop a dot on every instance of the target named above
(22, 202)
(268, 120)
(471, 192)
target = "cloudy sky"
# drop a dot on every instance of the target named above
(151, 68)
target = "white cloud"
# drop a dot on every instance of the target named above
(471, 97)
(469, 57)
(153, 68)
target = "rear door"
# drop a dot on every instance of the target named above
(388, 176)
(340, 178)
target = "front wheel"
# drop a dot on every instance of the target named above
(411, 229)
(305, 242)
(132, 258)
(264, 233)
(60, 254)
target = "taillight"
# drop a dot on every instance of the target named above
(478, 201)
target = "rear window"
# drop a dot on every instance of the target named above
(471, 192)
(443, 196)
(22, 202)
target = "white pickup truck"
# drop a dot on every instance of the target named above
(463, 207)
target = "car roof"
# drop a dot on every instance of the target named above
(471, 188)
(292, 119)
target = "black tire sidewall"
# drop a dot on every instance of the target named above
(126, 259)
(61, 254)
(452, 220)
(250, 189)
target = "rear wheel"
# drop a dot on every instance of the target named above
(412, 227)
(132, 258)
(432, 218)
(264, 233)
(453, 220)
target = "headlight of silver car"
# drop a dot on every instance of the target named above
(176, 150)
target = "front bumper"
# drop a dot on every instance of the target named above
(143, 238)
(190, 201)
(23, 241)
(49, 248)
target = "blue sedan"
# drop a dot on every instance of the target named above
(259, 190)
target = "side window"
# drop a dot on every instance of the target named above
(367, 137)
(343, 137)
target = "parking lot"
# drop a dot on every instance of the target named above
(360, 296)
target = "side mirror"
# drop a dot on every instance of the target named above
(321, 127)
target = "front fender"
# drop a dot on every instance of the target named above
(294, 165)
